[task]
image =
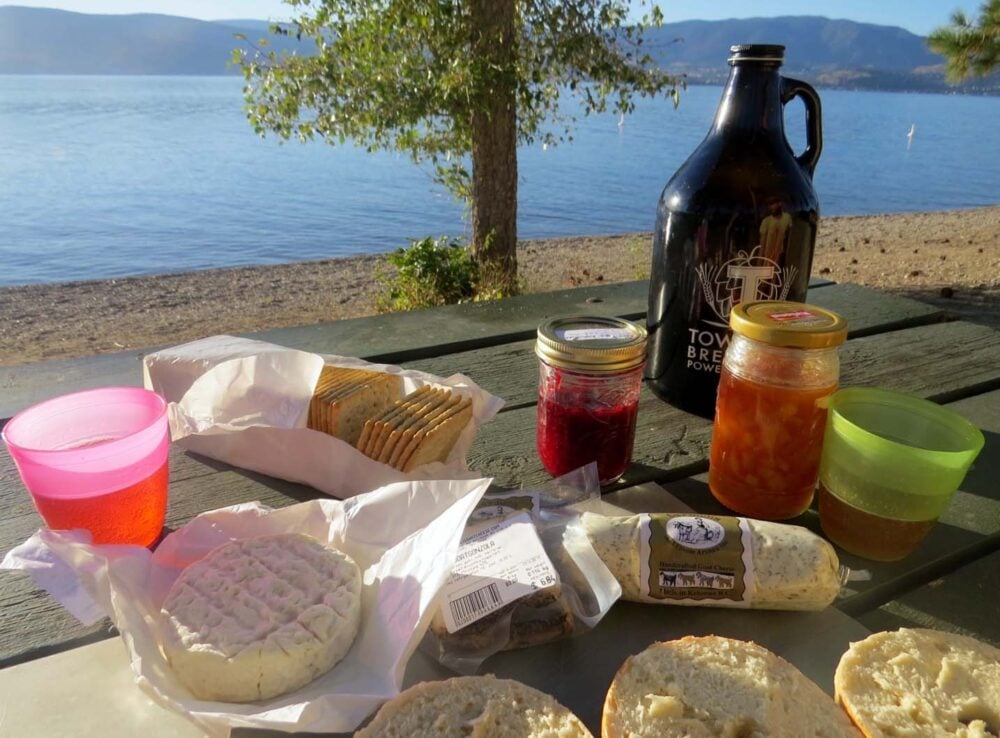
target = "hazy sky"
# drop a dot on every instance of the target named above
(918, 16)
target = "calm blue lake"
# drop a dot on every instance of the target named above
(114, 176)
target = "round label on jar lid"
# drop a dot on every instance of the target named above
(793, 324)
(591, 344)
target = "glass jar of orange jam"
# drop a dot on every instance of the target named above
(769, 421)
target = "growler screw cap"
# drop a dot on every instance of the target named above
(757, 53)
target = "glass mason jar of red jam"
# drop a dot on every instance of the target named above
(769, 418)
(590, 375)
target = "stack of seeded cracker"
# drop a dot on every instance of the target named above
(365, 408)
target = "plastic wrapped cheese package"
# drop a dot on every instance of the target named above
(525, 574)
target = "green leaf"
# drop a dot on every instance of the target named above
(416, 76)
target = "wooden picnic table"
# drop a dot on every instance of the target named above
(949, 583)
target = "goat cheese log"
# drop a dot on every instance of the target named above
(260, 617)
(788, 568)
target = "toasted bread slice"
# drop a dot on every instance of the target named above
(922, 683)
(715, 686)
(473, 705)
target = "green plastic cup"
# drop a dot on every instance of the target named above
(890, 466)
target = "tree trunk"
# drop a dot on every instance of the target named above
(494, 146)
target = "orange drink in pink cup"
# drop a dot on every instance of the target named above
(96, 460)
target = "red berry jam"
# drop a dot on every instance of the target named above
(589, 379)
(571, 436)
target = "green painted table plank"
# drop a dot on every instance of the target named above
(23, 385)
(671, 443)
(387, 338)
(962, 601)
(509, 370)
(32, 624)
(391, 338)
(413, 335)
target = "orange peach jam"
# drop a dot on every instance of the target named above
(766, 447)
(769, 416)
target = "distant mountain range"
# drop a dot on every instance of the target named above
(829, 53)
(47, 41)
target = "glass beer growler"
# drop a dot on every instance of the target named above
(737, 222)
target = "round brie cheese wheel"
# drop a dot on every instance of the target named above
(260, 617)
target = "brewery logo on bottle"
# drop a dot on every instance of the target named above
(746, 277)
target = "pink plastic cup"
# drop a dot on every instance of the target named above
(96, 460)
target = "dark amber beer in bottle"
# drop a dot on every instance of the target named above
(737, 222)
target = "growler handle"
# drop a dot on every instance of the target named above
(792, 88)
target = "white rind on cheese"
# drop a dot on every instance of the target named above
(261, 617)
(793, 568)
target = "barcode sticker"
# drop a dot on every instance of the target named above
(498, 562)
(466, 608)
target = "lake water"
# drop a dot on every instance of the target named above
(114, 176)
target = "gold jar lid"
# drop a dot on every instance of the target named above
(792, 324)
(591, 344)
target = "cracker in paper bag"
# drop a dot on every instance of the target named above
(420, 429)
(345, 398)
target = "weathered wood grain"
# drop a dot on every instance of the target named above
(386, 338)
(510, 371)
(962, 601)
(940, 361)
(390, 338)
(32, 624)
(670, 443)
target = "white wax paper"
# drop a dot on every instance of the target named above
(246, 403)
(404, 537)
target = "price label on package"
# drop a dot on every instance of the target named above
(498, 562)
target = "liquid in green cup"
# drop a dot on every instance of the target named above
(890, 465)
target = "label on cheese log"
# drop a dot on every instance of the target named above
(696, 558)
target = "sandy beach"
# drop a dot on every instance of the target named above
(951, 259)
